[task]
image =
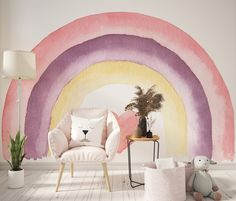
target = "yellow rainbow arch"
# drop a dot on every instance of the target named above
(124, 72)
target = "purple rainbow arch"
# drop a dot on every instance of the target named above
(116, 47)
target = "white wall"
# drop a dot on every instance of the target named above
(212, 23)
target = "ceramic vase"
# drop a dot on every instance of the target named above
(149, 134)
(142, 127)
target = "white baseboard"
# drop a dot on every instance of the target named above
(35, 165)
(80, 166)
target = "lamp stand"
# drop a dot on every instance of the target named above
(19, 86)
(18, 65)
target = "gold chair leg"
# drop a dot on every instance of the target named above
(72, 169)
(104, 165)
(60, 175)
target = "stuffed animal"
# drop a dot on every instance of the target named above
(200, 183)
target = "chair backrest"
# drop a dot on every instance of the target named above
(89, 112)
(65, 123)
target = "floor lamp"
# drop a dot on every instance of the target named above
(19, 65)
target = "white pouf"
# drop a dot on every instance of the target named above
(165, 184)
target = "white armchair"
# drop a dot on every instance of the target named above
(60, 139)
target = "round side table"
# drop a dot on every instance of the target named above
(132, 138)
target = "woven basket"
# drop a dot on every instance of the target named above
(165, 184)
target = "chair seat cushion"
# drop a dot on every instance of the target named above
(84, 153)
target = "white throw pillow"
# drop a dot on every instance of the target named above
(87, 131)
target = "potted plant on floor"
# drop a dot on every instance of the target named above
(16, 173)
(143, 104)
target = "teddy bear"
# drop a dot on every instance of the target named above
(200, 182)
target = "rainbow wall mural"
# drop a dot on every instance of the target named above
(126, 48)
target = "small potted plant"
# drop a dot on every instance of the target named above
(143, 104)
(16, 173)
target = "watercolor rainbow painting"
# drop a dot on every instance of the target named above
(105, 49)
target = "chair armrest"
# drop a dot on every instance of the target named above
(112, 143)
(113, 133)
(58, 142)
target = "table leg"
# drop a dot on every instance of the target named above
(154, 152)
(158, 147)
(129, 166)
(129, 160)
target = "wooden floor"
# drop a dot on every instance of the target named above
(90, 185)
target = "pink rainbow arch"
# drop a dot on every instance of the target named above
(167, 35)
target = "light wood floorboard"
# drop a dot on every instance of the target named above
(91, 186)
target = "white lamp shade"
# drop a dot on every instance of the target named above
(19, 64)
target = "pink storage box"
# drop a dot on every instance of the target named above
(165, 184)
